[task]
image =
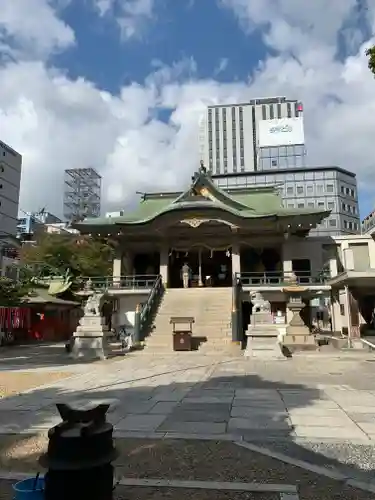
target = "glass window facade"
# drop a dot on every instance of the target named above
(311, 188)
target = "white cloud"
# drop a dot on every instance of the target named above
(222, 66)
(30, 28)
(59, 123)
(131, 15)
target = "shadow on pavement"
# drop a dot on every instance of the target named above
(225, 407)
(42, 355)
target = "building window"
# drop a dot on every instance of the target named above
(352, 193)
(330, 188)
(264, 112)
(342, 189)
(309, 189)
(299, 189)
(279, 111)
(319, 188)
(301, 205)
(331, 205)
(311, 204)
(345, 224)
(343, 207)
(347, 190)
(289, 190)
(289, 110)
(321, 204)
(272, 116)
(290, 205)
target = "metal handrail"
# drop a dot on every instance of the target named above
(274, 278)
(127, 282)
(146, 310)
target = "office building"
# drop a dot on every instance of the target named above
(258, 135)
(10, 180)
(82, 194)
(368, 223)
(32, 223)
(323, 188)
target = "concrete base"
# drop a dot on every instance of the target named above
(89, 348)
(263, 347)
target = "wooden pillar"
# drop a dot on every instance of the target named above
(236, 258)
(164, 258)
(117, 268)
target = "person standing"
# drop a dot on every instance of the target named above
(185, 272)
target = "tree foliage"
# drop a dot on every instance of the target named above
(58, 254)
(12, 291)
(370, 53)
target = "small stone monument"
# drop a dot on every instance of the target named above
(90, 336)
(297, 335)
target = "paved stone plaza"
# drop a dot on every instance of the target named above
(309, 397)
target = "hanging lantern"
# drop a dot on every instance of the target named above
(227, 253)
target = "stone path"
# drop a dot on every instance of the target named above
(197, 396)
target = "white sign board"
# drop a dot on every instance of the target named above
(281, 132)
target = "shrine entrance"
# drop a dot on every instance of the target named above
(209, 268)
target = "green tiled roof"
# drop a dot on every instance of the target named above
(261, 202)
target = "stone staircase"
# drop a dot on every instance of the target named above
(211, 309)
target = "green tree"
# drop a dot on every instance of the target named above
(12, 291)
(370, 53)
(58, 254)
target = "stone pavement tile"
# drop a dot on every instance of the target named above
(257, 394)
(357, 409)
(323, 404)
(199, 416)
(205, 407)
(321, 421)
(211, 393)
(256, 403)
(342, 433)
(136, 406)
(314, 411)
(264, 434)
(209, 399)
(140, 422)
(170, 425)
(356, 401)
(367, 428)
(164, 407)
(249, 411)
(169, 397)
(366, 418)
(246, 423)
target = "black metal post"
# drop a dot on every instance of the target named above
(79, 457)
(137, 325)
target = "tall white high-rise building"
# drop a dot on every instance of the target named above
(258, 135)
(10, 180)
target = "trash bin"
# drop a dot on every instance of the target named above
(182, 331)
(182, 341)
(79, 457)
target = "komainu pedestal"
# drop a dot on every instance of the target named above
(90, 338)
(297, 336)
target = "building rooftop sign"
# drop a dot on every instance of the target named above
(281, 132)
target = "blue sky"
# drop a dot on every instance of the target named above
(184, 29)
(120, 84)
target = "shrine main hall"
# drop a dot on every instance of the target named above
(245, 235)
